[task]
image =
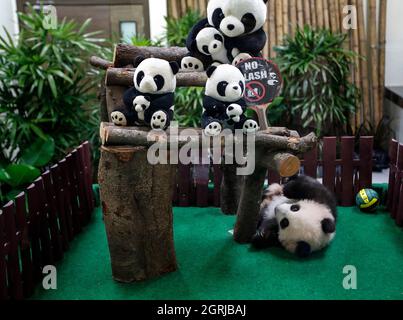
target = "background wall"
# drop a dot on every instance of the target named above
(394, 43)
(158, 10)
(8, 17)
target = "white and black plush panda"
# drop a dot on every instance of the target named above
(239, 21)
(151, 101)
(299, 216)
(224, 105)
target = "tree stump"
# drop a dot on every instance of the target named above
(137, 207)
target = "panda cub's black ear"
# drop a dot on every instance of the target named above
(265, 1)
(328, 226)
(138, 60)
(174, 66)
(210, 71)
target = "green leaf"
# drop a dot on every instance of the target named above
(21, 174)
(39, 153)
(52, 85)
(4, 176)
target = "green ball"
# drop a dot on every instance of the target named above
(367, 200)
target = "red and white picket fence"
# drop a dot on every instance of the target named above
(199, 185)
(37, 227)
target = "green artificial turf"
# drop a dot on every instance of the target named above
(213, 266)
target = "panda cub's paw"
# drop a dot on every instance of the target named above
(250, 127)
(141, 103)
(159, 121)
(190, 64)
(234, 112)
(241, 57)
(118, 119)
(213, 129)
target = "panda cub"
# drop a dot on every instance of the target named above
(299, 216)
(207, 44)
(151, 101)
(223, 103)
(240, 22)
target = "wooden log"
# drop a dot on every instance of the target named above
(100, 63)
(285, 164)
(279, 21)
(357, 70)
(326, 14)
(124, 77)
(300, 13)
(138, 216)
(319, 13)
(249, 205)
(231, 185)
(286, 20)
(272, 29)
(135, 136)
(293, 16)
(125, 54)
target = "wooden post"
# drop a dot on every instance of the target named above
(138, 215)
(231, 187)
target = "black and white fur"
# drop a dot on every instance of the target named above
(299, 216)
(151, 101)
(224, 105)
(241, 24)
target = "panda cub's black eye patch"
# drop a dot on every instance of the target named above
(140, 76)
(249, 22)
(295, 208)
(218, 37)
(218, 16)
(241, 85)
(159, 81)
(284, 223)
(221, 88)
(205, 49)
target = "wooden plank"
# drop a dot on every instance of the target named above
(82, 198)
(83, 156)
(77, 214)
(366, 153)
(13, 262)
(393, 147)
(3, 264)
(347, 155)
(184, 185)
(65, 194)
(88, 174)
(398, 185)
(329, 165)
(201, 174)
(44, 229)
(25, 247)
(272, 29)
(34, 231)
(311, 162)
(217, 184)
(58, 189)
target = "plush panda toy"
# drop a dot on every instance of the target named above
(299, 216)
(224, 106)
(240, 22)
(151, 101)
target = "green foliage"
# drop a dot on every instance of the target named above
(47, 93)
(144, 42)
(189, 106)
(188, 101)
(317, 92)
(16, 176)
(177, 30)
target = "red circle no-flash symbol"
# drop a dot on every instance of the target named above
(255, 91)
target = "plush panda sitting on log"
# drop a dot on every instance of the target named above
(223, 103)
(151, 101)
(232, 32)
(299, 216)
